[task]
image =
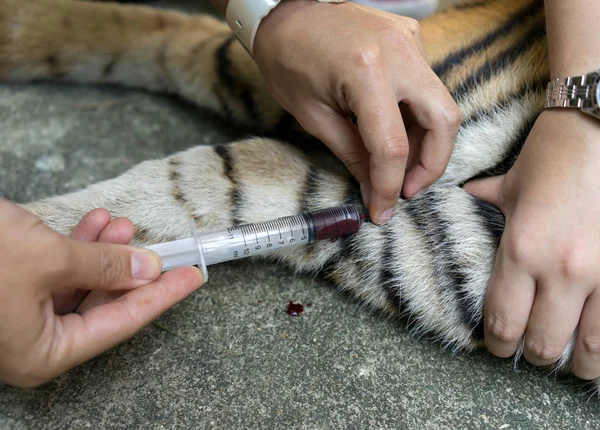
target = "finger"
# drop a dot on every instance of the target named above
(343, 139)
(508, 302)
(105, 266)
(119, 231)
(91, 225)
(487, 189)
(85, 336)
(382, 130)
(552, 322)
(435, 111)
(586, 358)
(88, 230)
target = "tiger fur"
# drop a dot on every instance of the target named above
(430, 264)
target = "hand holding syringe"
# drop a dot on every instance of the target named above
(253, 239)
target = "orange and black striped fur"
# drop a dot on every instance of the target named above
(430, 264)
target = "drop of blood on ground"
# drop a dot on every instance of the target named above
(294, 309)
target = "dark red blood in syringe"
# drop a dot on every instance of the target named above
(294, 309)
(337, 222)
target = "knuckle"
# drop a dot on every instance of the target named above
(436, 170)
(520, 246)
(394, 150)
(412, 26)
(354, 161)
(387, 193)
(543, 351)
(368, 58)
(111, 267)
(452, 116)
(591, 344)
(573, 264)
(502, 330)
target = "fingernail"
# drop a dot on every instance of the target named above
(384, 217)
(145, 265)
(365, 191)
(420, 192)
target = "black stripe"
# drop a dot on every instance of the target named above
(177, 192)
(353, 195)
(307, 193)
(502, 61)
(236, 87)
(235, 197)
(430, 221)
(513, 22)
(54, 66)
(309, 190)
(387, 275)
(224, 65)
(225, 109)
(174, 178)
(248, 100)
(110, 66)
(492, 219)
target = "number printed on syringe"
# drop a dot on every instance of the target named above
(250, 239)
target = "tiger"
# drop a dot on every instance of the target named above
(428, 266)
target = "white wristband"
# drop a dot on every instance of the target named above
(244, 17)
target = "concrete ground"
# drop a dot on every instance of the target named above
(229, 356)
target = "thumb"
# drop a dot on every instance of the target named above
(487, 189)
(104, 266)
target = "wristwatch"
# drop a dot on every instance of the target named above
(244, 17)
(577, 92)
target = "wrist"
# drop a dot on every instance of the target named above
(246, 17)
(573, 123)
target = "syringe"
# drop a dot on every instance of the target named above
(253, 239)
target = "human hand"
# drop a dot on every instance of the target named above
(546, 280)
(323, 62)
(49, 323)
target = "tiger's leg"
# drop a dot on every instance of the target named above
(193, 56)
(430, 263)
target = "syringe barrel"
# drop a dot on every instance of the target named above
(257, 238)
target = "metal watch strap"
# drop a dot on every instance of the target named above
(571, 92)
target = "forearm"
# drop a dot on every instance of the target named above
(573, 36)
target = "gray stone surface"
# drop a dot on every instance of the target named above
(229, 356)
